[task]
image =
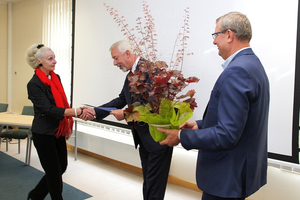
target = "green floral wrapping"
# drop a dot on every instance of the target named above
(170, 113)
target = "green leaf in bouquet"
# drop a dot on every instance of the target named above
(153, 118)
(184, 112)
(170, 113)
(166, 108)
(143, 113)
(156, 135)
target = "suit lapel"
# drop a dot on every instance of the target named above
(127, 92)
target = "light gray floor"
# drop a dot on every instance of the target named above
(100, 179)
(106, 181)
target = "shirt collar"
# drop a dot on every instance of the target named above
(228, 60)
(135, 64)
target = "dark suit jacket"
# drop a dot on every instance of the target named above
(232, 137)
(139, 130)
(46, 115)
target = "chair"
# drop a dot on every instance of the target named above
(20, 133)
(3, 107)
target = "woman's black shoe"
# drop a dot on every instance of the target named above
(29, 197)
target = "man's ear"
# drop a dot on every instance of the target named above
(127, 52)
(230, 35)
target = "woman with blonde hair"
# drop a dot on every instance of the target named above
(52, 124)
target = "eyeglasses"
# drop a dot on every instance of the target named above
(214, 35)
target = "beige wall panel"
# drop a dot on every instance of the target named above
(3, 53)
(27, 30)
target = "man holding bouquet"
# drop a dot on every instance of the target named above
(232, 136)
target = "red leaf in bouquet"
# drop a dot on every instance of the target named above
(131, 114)
(192, 103)
(142, 88)
(161, 64)
(138, 88)
(177, 73)
(156, 91)
(133, 78)
(161, 80)
(147, 66)
(190, 94)
(192, 79)
(136, 76)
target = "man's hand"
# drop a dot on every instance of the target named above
(88, 113)
(172, 137)
(119, 114)
(189, 125)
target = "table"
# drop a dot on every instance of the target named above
(9, 119)
(24, 121)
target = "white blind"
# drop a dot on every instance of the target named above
(57, 34)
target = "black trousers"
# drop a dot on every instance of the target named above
(206, 196)
(52, 153)
(155, 166)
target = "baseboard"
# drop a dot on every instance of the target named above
(172, 179)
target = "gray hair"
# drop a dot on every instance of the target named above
(238, 23)
(123, 46)
(35, 52)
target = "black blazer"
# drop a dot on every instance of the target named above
(46, 115)
(139, 130)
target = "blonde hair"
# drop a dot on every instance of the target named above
(34, 53)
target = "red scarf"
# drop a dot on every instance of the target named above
(66, 124)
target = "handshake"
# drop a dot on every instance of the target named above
(88, 113)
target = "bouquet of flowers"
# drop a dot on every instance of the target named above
(163, 106)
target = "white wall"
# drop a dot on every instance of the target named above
(109, 142)
(117, 143)
(96, 30)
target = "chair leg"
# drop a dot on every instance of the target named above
(26, 158)
(28, 150)
(29, 153)
(6, 140)
(6, 144)
(19, 146)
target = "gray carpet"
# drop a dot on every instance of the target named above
(17, 179)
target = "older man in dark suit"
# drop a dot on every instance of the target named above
(232, 137)
(155, 159)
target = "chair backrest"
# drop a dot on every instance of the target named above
(3, 107)
(27, 110)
